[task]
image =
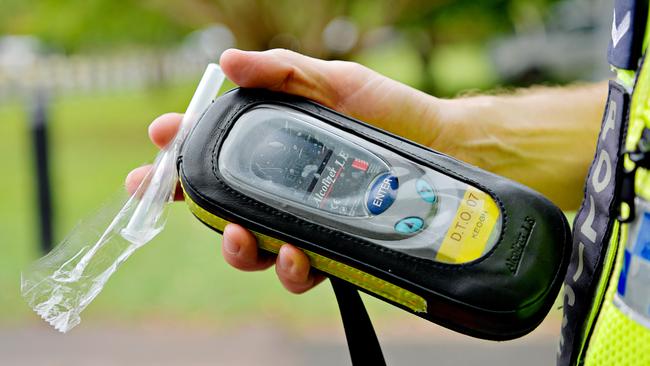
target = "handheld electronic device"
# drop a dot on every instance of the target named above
(459, 246)
(307, 167)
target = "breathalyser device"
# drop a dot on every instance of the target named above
(449, 242)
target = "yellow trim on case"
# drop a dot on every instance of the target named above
(350, 274)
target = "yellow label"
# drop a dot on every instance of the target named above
(470, 230)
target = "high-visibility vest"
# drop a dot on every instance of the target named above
(607, 287)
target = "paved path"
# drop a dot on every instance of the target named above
(416, 343)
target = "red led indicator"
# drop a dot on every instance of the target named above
(360, 164)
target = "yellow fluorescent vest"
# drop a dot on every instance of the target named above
(616, 338)
(613, 337)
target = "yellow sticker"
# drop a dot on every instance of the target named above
(470, 230)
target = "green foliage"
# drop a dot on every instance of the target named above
(91, 25)
(459, 67)
(417, 29)
(395, 59)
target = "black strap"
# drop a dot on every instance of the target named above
(362, 341)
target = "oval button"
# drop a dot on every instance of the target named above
(425, 191)
(382, 193)
(409, 225)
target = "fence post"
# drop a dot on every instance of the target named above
(39, 135)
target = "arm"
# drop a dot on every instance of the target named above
(542, 137)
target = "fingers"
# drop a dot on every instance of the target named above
(135, 177)
(239, 248)
(279, 70)
(294, 271)
(291, 264)
(290, 72)
(163, 129)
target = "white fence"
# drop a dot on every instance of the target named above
(58, 74)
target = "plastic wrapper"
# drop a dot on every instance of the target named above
(62, 284)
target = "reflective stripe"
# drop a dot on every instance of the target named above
(627, 35)
(350, 274)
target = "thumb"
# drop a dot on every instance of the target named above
(289, 72)
(347, 87)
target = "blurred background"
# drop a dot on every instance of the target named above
(81, 80)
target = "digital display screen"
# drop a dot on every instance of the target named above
(316, 169)
(290, 158)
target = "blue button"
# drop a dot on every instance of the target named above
(382, 193)
(409, 225)
(425, 191)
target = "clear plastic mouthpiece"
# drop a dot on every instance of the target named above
(62, 283)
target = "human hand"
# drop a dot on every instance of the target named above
(527, 136)
(344, 86)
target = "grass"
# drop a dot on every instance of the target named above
(95, 141)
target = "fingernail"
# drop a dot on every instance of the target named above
(230, 246)
(286, 263)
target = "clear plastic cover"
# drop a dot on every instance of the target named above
(62, 283)
(304, 166)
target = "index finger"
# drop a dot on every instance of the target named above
(163, 129)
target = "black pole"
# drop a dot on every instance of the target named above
(39, 134)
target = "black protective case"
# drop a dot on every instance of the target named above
(503, 295)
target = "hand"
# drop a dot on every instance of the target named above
(527, 136)
(347, 87)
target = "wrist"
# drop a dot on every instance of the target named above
(470, 129)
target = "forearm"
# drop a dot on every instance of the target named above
(542, 137)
